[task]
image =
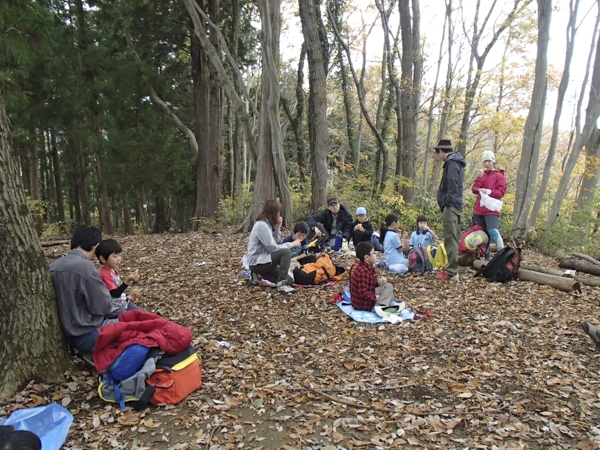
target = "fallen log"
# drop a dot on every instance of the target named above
(588, 281)
(53, 243)
(581, 266)
(587, 258)
(560, 283)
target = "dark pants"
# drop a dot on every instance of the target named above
(277, 269)
(86, 342)
(325, 240)
(451, 227)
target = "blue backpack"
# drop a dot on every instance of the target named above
(418, 260)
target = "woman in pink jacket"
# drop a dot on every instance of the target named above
(490, 181)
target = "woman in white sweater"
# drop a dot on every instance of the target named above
(266, 257)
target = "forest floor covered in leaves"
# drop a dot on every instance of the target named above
(495, 366)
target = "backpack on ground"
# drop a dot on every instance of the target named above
(473, 240)
(318, 272)
(176, 377)
(504, 266)
(418, 260)
(437, 256)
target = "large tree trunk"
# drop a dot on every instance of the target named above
(201, 90)
(213, 168)
(317, 101)
(271, 175)
(31, 344)
(411, 63)
(532, 135)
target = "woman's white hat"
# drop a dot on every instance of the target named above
(488, 155)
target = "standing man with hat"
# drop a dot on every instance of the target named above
(450, 201)
(331, 222)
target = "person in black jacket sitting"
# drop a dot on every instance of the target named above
(362, 229)
(331, 222)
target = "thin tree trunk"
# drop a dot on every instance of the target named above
(57, 178)
(530, 152)
(447, 102)
(591, 116)
(589, 181)
(31, 344)
(317, 101)
(360, 91)
(479, 60)
(562, 89)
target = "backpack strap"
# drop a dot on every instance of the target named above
(142, 403)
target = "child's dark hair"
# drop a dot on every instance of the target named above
(301, 227)
(364, 249)
(85, 237)
(106, 248)
(391, 218)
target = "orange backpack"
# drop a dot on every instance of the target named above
(318, 272)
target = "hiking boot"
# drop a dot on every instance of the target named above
(282, 286)
(454, 278)
(593, 331)
(254, 278)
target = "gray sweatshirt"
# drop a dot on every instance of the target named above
(263, 241)
(82, 298)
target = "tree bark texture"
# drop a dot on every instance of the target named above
(317, 102)
(31, 344)
(412, 67)
(532, 134)
(577, 264)
(271, 175)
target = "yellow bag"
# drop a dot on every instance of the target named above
(438, 257)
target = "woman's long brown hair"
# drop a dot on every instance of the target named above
(271, 212)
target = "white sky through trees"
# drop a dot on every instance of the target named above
(432, 20)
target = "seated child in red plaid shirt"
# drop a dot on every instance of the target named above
(365, 289)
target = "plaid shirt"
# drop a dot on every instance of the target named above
(363, 281)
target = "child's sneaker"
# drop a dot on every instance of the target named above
(442, 275)
(254, 279)
(282, 286)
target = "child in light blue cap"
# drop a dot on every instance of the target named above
(362, 229)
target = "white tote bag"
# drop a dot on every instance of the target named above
(491, 203)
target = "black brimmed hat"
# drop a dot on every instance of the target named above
(443, 144)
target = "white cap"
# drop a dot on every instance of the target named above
(488, 155)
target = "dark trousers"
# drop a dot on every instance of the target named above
(277, 269)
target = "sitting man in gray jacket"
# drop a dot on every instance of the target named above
(83, 300)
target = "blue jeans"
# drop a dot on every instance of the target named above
(85, 343)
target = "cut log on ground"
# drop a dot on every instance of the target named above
(560, 283)
(53, 243)
(588, 281)
(577, 264)
(587, 258)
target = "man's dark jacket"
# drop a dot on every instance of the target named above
(450, 192)
(325, 217)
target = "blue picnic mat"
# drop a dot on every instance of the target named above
(359, 315)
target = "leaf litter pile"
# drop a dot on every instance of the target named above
(495, 366)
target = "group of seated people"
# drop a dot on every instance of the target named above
(271, 260)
